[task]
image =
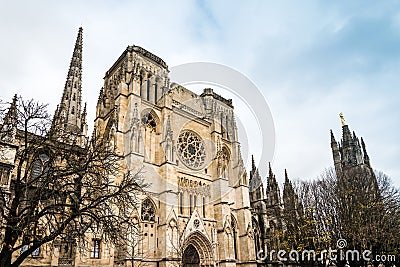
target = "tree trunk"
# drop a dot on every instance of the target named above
(5, 257)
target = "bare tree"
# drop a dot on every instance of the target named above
(359, 206)
(59, 191)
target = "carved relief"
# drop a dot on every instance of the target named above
(193, 186)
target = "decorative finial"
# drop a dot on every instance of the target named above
(342, 119)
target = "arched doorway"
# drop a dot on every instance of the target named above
(191, 257)
(197, 251)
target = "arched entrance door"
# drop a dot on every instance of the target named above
(191, 257)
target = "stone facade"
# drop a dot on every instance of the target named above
(188, 147)
(197, 208)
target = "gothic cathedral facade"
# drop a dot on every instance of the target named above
(197, 209)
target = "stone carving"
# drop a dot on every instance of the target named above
(168, 143)
(342, 119)
(193, 186)
(186, 108)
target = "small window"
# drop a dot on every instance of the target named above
(74, 97)
(204, 207)
(155, 92)
(36, 252)
(148, 89)
(180, 202)
(73, 110)
(66, 249)
(24, 248)
(190, 204)
(95, 250)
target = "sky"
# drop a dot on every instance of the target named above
(310, 59)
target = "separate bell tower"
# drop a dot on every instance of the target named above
(350, 153)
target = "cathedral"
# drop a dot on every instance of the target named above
(201, 208)
(197, 210)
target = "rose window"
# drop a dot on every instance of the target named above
(191, 149)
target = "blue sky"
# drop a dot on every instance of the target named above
(311, 60)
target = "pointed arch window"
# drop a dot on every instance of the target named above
(73, 110)
(148, 88)
(141, 84)
(74, 96)
(149, 121)
(40, 167)
(148, 211)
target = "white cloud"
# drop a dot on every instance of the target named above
(311, 61)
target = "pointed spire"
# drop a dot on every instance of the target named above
(366, 157)
(168, 130)
(253, 163)
(333, 140)
(12, 111)
(69, 118)
(286, 176)
(84, 113)
(271, 174)
(256, 186)
(287, 188)
(273, 192)
(9, 127)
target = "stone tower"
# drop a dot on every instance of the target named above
(69, 122)
(8, 129)
(350, 154)
(8, 147)
(267, 209)
(197, 210)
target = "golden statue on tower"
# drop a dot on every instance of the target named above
(342, 119)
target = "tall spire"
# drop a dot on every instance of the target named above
(335, 153)
(288, 193)
(69, 118)
(9, 128)
(366, 157)
(256, 187)
(273, 192)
